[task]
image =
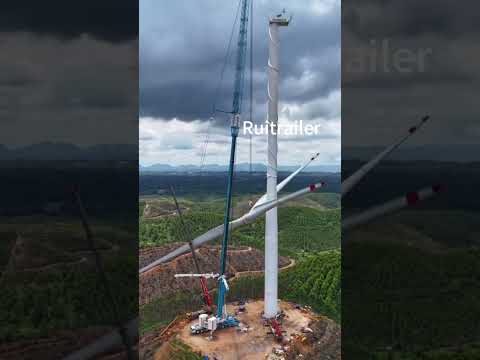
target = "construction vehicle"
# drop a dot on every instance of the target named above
(276, 329)
(203, 281)
(202, 325)
(241, 306)
(223, 319)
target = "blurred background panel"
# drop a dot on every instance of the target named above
(410, 266)
(68, 131)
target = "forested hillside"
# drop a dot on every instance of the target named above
(301, 228)
(309, 232)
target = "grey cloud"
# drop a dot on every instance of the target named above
(378, 105)
(181, 60)
(410, 18)
(71, 19)
(76, 91)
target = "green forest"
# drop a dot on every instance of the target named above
(56, 285)
(309, 232)
(301, 228)
(314, 281)
(398, 288)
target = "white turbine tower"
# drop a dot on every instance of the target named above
(271, 220)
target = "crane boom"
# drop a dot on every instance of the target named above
(241, 60)
(237, 105)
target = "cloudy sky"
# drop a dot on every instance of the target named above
(182, 49)
(378, 105)
(69, 72)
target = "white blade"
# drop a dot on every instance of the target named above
(216, 232)
(389, 207)
(285, 181)
(353, 180)
(206, 276)
(105, 343)
(224, 280)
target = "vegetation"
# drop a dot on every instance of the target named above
(314, 281)
(411, 300)
(169, 229)
(141, 207)
(60, 288)
(66, 298)
(7, 239)
(181, 351)
(154, 315)
(301, 228)
(307, 228)
(203, 187)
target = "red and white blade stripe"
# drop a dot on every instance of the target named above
(374, 212)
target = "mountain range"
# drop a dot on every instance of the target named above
(58, 151)
(443, 152)
(50, 151)
(256, 167)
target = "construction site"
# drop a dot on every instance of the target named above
(303, 334)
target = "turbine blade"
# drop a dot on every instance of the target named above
(355, 178)
(285, 181)
(390, 206)
(216, 232)
(106, 342)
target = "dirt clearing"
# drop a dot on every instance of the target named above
(258, 343)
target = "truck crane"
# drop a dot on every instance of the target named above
(222, 318)
(203, 280)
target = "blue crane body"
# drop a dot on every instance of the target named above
(224, 319)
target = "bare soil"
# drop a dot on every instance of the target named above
(321, 342)
(161, 280)
(33, 254)
(158, 209)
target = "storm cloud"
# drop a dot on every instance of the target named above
(69, 72)
(111, 20)
(377, 105)
(182, 52)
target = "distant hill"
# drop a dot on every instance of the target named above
(447, 152)
(256, 167)
(54, 151)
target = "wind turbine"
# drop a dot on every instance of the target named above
(261, 207)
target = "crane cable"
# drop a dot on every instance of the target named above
(251, 81)
(217, 91)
